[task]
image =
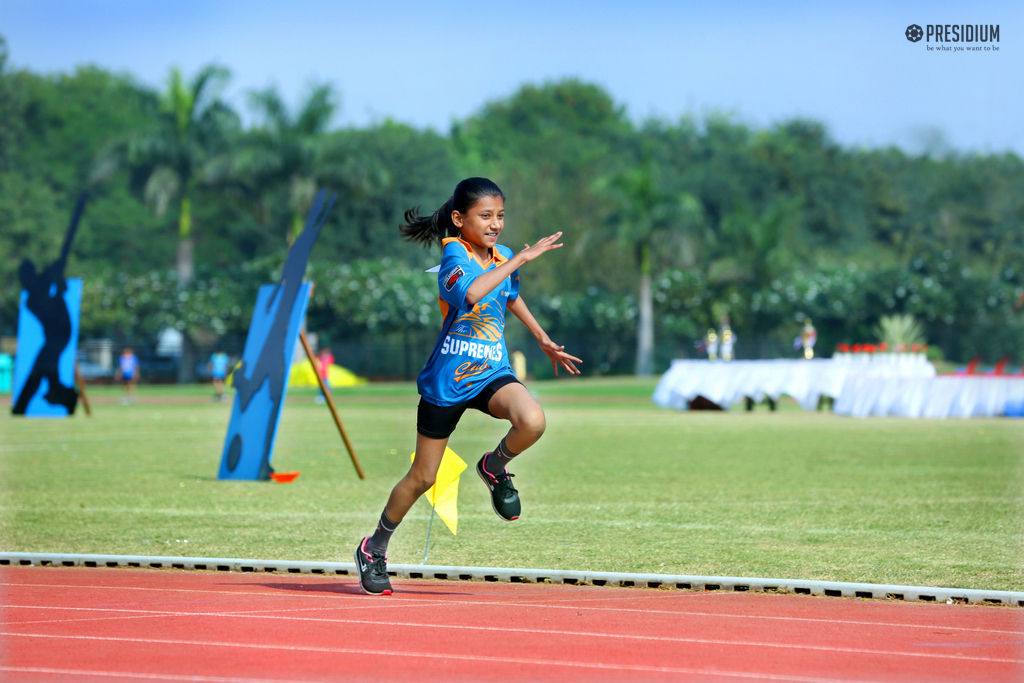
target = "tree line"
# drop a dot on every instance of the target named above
(670, 225)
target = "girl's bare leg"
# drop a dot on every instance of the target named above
(419, 479)
(513, 402)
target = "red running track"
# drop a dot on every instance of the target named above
(125, 624)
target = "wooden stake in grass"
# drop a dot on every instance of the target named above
(330, 403)
(81, 390)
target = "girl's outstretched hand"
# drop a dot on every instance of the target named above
(539, 247)
(558, 357)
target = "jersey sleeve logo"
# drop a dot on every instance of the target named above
(451, 278)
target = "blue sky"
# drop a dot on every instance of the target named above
(428, 63)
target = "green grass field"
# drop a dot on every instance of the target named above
(616, 484)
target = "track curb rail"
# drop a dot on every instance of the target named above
(513, 575)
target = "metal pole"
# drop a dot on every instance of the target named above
(429, 527)
(330, 404)
(81, 390)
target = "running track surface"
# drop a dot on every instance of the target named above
(125, 624)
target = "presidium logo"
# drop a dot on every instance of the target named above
(971, 34)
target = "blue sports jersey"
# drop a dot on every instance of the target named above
(128, 364)
(219, 365)
(471, 349)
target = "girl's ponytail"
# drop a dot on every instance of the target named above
(429, 229)
(438, 225)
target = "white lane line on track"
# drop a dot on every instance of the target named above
(365, 600)
(147, 676)
(674, 595)
(83, 619)
(681, 613)
(591, 634)
(311, 594)
(273, 591)
(398, 601)
(146, 614)
(471, 658)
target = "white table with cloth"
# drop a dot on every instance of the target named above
(942, 396)
(861, 385)
(728, 383)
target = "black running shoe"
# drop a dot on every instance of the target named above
(373, 571)
(504, 497)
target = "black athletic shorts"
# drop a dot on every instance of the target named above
(438, 422)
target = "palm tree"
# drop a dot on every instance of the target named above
(646, 211)
(192, 125)
(194, 122)
(757, 248)
(286, 149)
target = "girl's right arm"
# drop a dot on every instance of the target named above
(553, 351)
(485, 283)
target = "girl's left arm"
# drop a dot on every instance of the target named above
(555, 352)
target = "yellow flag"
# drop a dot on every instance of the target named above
(444, 494)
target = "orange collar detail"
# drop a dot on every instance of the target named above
(496, 256)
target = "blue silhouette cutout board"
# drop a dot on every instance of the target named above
(249, 445)
(262, 379)
(31, 340)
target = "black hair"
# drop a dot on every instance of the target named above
(433, 228)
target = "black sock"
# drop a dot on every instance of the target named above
(498, 459)
(379, 541)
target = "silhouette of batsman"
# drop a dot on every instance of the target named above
(46, 302)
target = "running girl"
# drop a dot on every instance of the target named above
(469, 368)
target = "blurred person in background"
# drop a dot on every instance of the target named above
(218, 367)
(324, 361)
(128, 375)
